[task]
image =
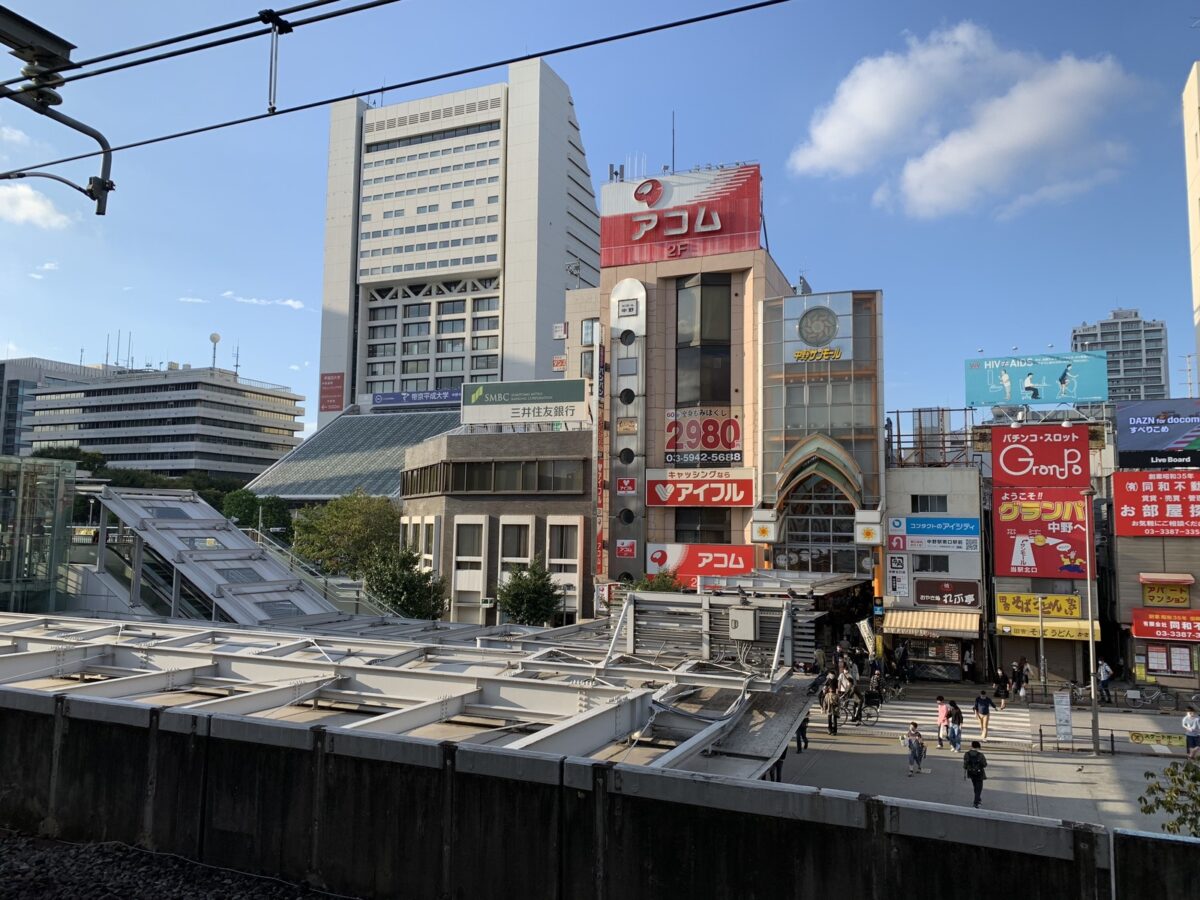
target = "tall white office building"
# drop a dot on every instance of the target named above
(453, 227)
(1137, 354)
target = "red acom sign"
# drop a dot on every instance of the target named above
(1040, 456)
(700, 487)
(1156, 504)
(682, 215)
(688, 561)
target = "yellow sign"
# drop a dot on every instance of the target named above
(1166, 595)
(824, 354)
(1054, 606)
(1156, 737)
(1062, 629)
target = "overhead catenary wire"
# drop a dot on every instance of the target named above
(212, 45)
(467, 70)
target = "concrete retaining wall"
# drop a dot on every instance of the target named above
(381, 816)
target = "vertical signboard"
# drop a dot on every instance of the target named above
(333, 392)
(1041, 532)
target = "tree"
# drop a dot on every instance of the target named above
(243, 506)
(1175, 792)
(342, 536)
(395, 578)
(84, 459)
(276, 517)
(666, 581)
(530, 596)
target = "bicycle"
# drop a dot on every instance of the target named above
(868, 716)
(893, 690)
(1137, 698)
(1080, 693)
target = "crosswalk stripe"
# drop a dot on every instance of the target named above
(1010, 725)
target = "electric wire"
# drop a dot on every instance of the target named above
(467, 70)
(209, 45)
(167, 42)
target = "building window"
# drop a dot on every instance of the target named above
(416, 310)
(365, 217)
(587, 332)
(514, 545)
(485, 304)
(468, 547)
(486, 361)
(380, 387)
(562, 548)
(929, 503)
(387, 368)
(381, 331)
(703, 369)
(416, 329)
(450, 307)
(415, 366)
(374, 350)
(416, 348)
(587, 363)
(703, 525)
(452, 326)
(486, 323)
(451, 345)
(931, 562)
(450, 364)
(449, 383)
(487, 342)
(414, 384)
(381, 314)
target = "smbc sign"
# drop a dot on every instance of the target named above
(525, 402)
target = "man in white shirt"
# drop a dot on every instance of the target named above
(1191, 731)
(1104, 674)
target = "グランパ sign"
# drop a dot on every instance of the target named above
(1041, 532)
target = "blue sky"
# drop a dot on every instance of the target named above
(1002, 171)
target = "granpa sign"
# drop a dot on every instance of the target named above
(1040, 456)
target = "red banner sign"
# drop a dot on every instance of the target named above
(626, 548)
(1156, 504)
(688, 561)
(703, 436)
(683, 215)
(1041, 532)
(1036, 455)
(700, 487)
(1167, 624)
(962, 594)
(333, 392)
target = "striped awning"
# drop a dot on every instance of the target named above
(932, 622)
(1165, 578)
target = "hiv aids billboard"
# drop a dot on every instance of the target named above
(1036, 455)
(1041, 532)
(681, 215)
(700, 487)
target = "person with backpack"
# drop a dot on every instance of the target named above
(916, 749)
(983, 710)
(955, 728)
(1104, 674)
(974, 764)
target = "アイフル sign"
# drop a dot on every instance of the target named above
(700, 487)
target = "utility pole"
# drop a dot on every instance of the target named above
(1089, 494)
(45, 54)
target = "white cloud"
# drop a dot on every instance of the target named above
(192, 300)
(258, 301)
(294, 367)
(22, 205)
(36, 275)
(10, 135)
(48, 267)
(956, 123)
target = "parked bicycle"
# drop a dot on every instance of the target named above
(870, 713)
(1139, 697)
(1080, 693)
(893, 690)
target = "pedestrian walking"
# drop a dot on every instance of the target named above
(983, 711)
(955, 728)
(968, 663)
(1104, 674)
(1000, 688)
(943, 721)
(974, 764)
(802, 734)
(829, 703)
(1016, 681)
(1191, 733)
(916, 749)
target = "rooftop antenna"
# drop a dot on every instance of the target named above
(81, 356)
(118, 356)
(237, 355)
(129, 352)
(672, 142)
(106, 337)
(216, 339)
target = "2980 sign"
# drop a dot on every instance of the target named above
(704, 436)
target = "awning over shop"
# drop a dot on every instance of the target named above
(1165, 578)
(932, 623)
(1055, 629)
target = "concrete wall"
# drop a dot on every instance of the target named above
(375, 815)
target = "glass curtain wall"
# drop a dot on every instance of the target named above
(36, 497)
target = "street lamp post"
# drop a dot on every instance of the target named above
(1088, 494)
(1042, 643)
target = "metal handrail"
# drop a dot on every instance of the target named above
(363, 602)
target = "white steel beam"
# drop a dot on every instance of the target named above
(49, 663)
(582, 735)
(262, 700)
(402, 720)
(144, 683)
